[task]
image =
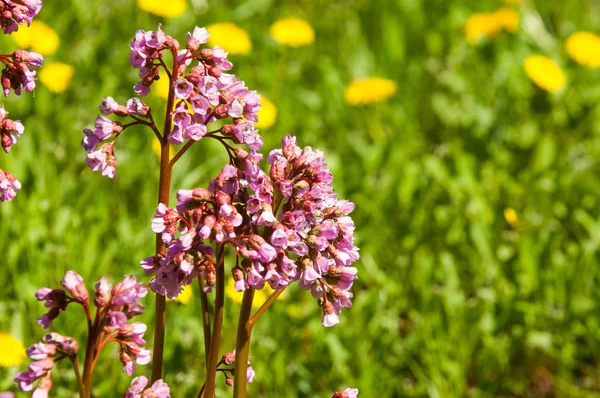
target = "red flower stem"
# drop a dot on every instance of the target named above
(213, 354)
(242, 345)
(205, 318)
(91, 354)
(164, 188)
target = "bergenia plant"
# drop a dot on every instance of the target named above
(16, 76)
(279, 226)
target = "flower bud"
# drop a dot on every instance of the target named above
(73, 282)
(228, 358)
(102, 297)
(221, 112)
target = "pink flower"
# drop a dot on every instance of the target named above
(9, 186)
(199, 36)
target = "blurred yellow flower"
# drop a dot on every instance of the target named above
(487, 25)
(544, 72)
(267, 113)
(12, 349)
(584, 48)
(369, 90)
(156, 148)
(38, 37)
(56, 76)
(260, 296)
(293, 32)
(480, 26)
(507, 19)
(230, 37)
(185, 296)
(163, 8)
(511, 217)
(161, 87)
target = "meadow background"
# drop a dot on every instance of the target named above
(477, 197)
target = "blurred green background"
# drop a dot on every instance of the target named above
(453, 299)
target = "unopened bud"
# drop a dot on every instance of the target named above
(221, 112)
(228, 358)
(73, 282)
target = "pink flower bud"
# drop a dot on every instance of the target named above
(73, 282)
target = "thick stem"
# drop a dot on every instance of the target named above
(160, 309)
(205, 318)
(242, 345)
(164, 188)
(213, 354)
(91, 354)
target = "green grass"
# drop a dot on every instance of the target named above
(451, 301)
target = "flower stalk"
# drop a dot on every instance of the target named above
(213, 354)
(242, 345)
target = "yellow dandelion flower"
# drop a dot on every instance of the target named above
(511, 217)
(584, 48)
(163, 8)
(185, 296)
(56, 76)
(13, 351)
(544, 72)
(293, 32)
(507, 19)
(481, 26)
(160, 88)
(38, 37)
(369, 90)
(230, 37)
(267, 113)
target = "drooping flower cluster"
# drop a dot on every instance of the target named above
(16, 12)
(9, 186)
(45, 354)
(10, 130)
(17, 75)
(137, 389)
(286, 226)
(100, 142)
(115, 306)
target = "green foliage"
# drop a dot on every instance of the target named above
(452, 299)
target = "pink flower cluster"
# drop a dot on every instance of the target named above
(347, 393)
(10, 130)
(16, 12)
(137, 389)
(45, 355)
(17, 74)
(100, 141)
(286, 226)
(9, 186)
(115, 306)
(203, 94)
